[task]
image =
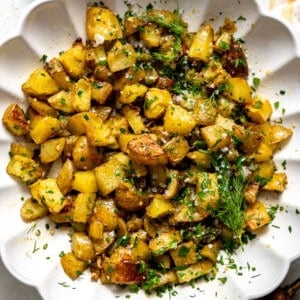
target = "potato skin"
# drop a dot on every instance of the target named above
(15, 121)
(146, 151)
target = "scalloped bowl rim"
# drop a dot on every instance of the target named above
(17, 32)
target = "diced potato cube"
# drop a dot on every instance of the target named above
(140, 250)
(176, 149)
(135, 120)
(183, 214)
(131, 92)
(58, 73)
(65, 176)
(73, 266)
(184, 254)
(45, 128)
(194, 271)
(201, 158)
(151, 35)
(124, 139)
(15, 121)
(131, 25)
(99, 133)
(226, 123)
(178, 120)
(81, 95)
(85, 182)
(251, 192)
(202, 44)
(146, 151)
(62, 101)
(129, 198)
(279, 133)
(118, 124)
(215, 136)
(82, 247)
(164, 261)
(31, 210)
(256, 216)
(40, 84)
(24, 168)
(19, 149)
(102, 24)
(207, 189)
(42, 108)
(105, 212)
(85, 156)
(110, 174)
(156, 102)
(240, 90)
(265, 171)
(83, 205)
(159, 207)
(77, 122)
(95, 230)
(205, 113)
(164, 242)
(211, 251)
(120, 57)
(73, 60)
(277, 183)
(46, 192)
(263, 152)
(52, 149)
(101, 91)
(259, 111)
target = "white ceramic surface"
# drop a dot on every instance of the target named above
(47, 27)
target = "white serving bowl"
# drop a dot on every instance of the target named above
(48, 27)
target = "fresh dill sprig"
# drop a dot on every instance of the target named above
(231, 189)
(171, 22)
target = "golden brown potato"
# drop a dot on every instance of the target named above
(164, 242)
(215, 136)
(65, 177)
(121, 57)
(45, 128)
(178, 120)
(73, 60)
(31, 210)
(42, 107)
(194, 271)
(134, 118)
(110, 174)
(102, 24)
(58, 73)
(85, 182)
(46, 192)
(129, 198)
(131, 25)
(81, 94)
(146, 151)
(52, 149)
(240, 90)
(19, 149)
(159, 207)
(101, 91)
(15, 121)
(40, 84)
(105, 212)
(82, 247)
(185, 254)
(156, 102)
(256, 216)
(176, 149)
(73, 266)
(62, 101)
(83, 206)
(86, 156)
(24, 168)
(202, 45)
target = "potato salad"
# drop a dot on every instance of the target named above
(163, 147)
